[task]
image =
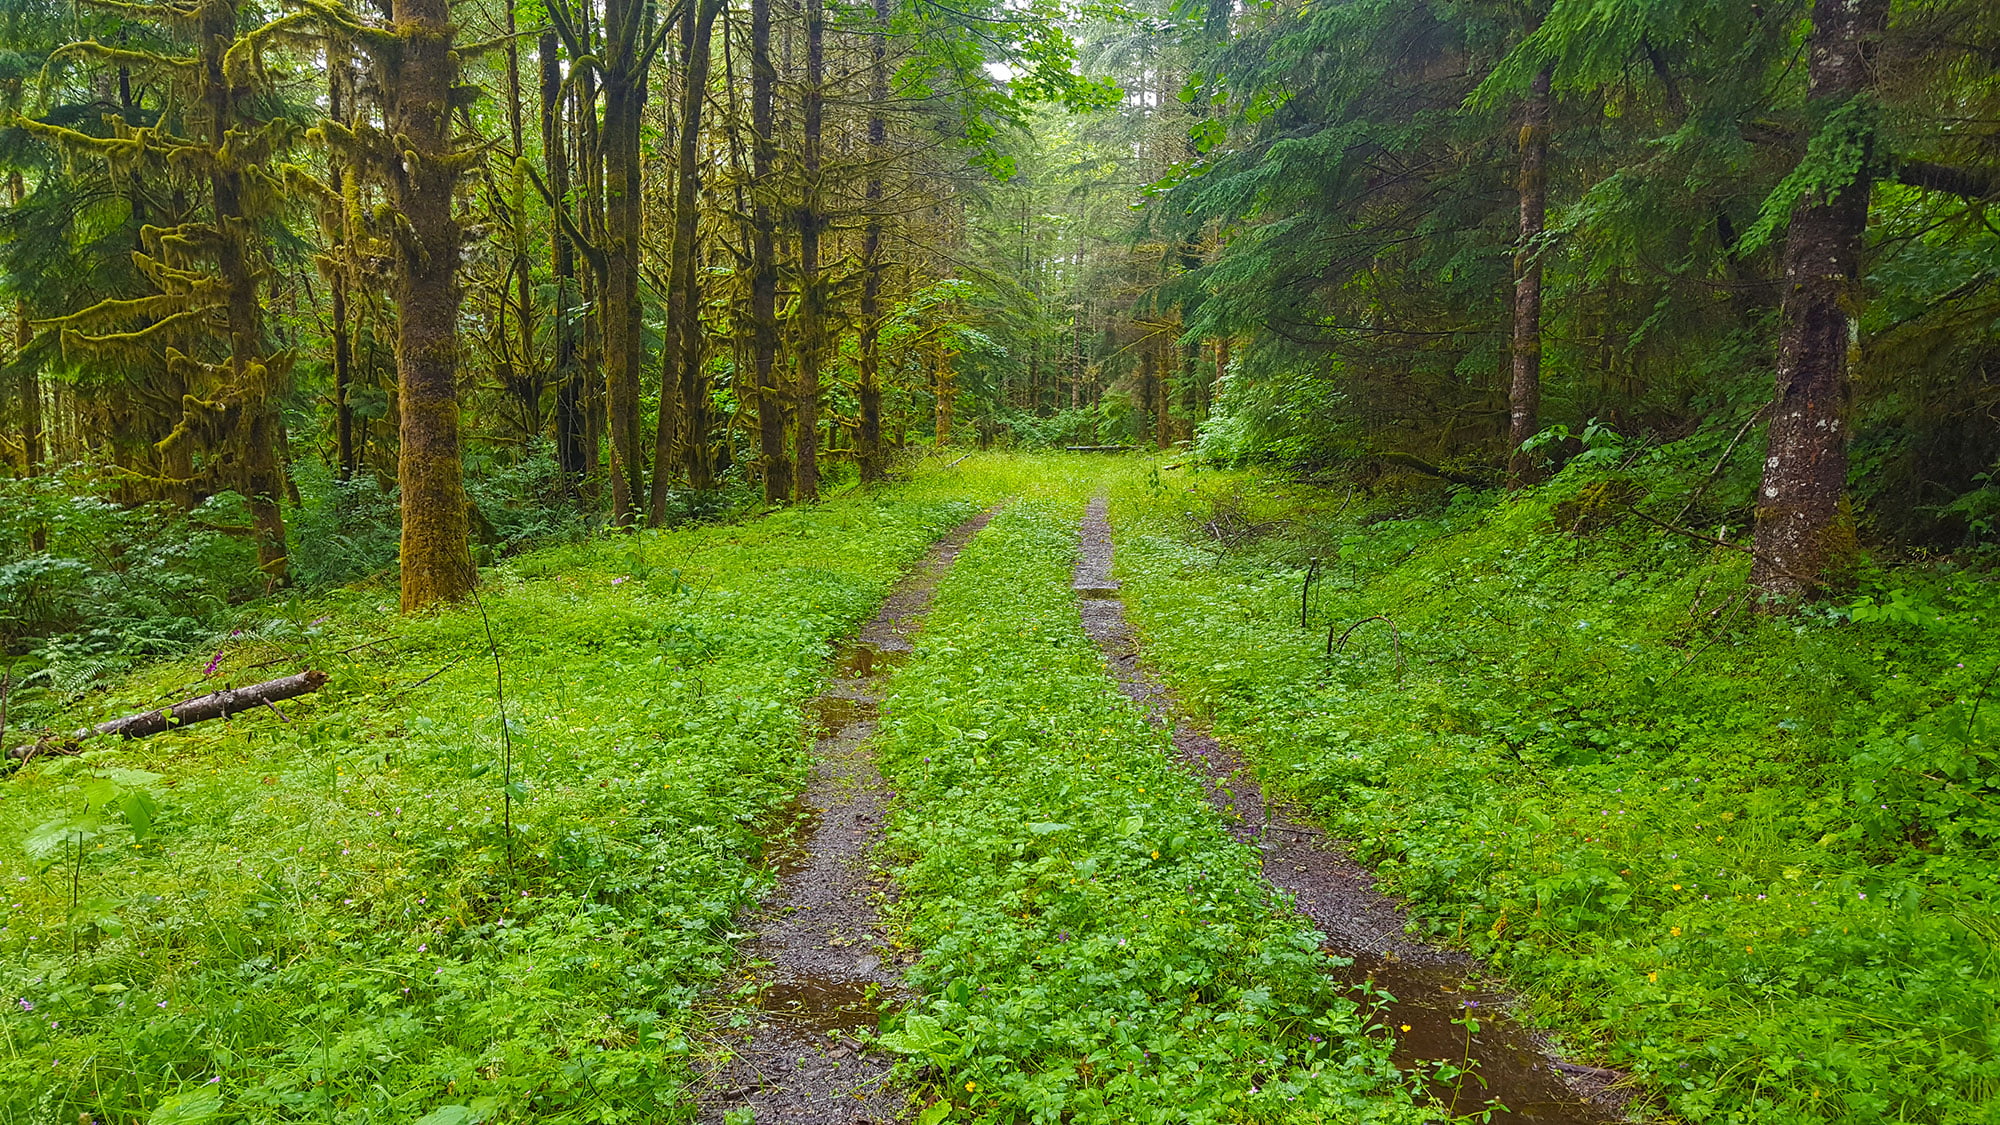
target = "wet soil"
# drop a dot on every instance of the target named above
(1515, 1075)
(818, 968)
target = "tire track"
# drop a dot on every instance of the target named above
(1515, 1074)
(817, 963)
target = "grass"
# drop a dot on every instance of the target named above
(1094, 946)
(324, 916)
(1749, 859)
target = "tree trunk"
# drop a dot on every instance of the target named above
(1524, 398)
(777, 465)
(570, 428)
(624, 342)
(1805, 469)
(339, 103)
(30, 384)
(418, 76)
(868, 386)
(812, 295)
(697, 455)
(251, 375)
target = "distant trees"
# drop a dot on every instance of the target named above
(1684, 193)
(517, 208)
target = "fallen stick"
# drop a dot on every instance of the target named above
(215, 705)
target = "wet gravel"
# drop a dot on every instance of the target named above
(1432, 987)
(819, 963)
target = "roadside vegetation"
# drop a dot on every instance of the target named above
(383, 905)
(1747, 858)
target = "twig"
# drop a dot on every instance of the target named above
(455, 662)
(1741, 432)
(1664, 525)
(955, 464)
(1305, 592)
(342, 652)
(1395, 638)
(1969, 719)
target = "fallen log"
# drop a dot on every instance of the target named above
(214, 705)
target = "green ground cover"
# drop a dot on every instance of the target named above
(1751, 859)
(317, 918)
(1094, 947)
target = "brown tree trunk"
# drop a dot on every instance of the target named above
(868, 385)
(624, 342)
(252, 378)
(338, 104)
(777, 465)
(1805, 469)
(812, 294)
(570, 429)
(697, 455)
(1524, 397)
(417, 79)
(30, 384)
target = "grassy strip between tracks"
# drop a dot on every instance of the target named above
(316, 917)
(1095, 948)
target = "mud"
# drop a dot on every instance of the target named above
(818, 967)
(1515, 1075)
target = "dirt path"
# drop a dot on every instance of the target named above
(1433, 987)
(817, 961)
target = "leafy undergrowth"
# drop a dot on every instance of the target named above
(323, 916)
(1095, 947)
(1751, 859)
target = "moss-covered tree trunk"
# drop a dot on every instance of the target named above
(697, 454)
(569, 420)
(812, 290)
(868, 384)
(418, 75)
(776, 463)
(1805, 469)
(1524, 395)
(252, 377)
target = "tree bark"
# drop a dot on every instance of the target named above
(30, 383)
(1524, 397)
(697, 454)
(812, 295)
(777, 466)
(1805, 468)
(868, 385)
(570, 427)
(417, 80)
(624, 342)
(252, 376)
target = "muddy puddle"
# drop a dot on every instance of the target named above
(1504, 1069)
(818, 969)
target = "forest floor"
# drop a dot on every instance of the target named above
(1068, 858)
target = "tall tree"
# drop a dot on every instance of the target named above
(419, 163)
(868, 384)
(812, 313)
(1799, 503)
(685, 274)
(1524, 398)
(772, 451)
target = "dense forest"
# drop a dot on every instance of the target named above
(505, 416)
